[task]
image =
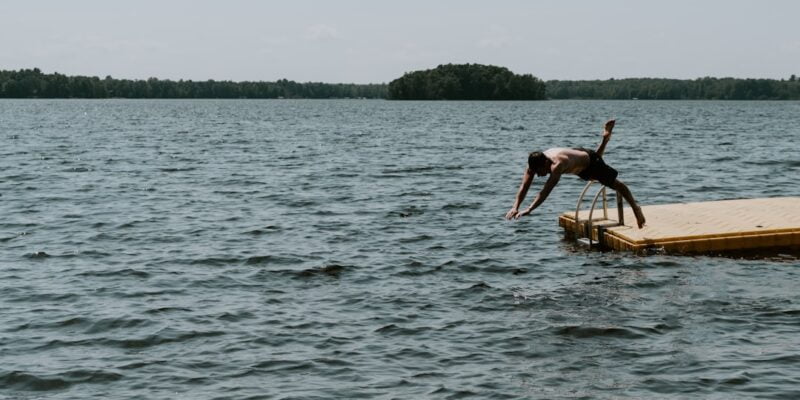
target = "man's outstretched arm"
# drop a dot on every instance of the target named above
(552, 181)
(527, 178)
(609, 126)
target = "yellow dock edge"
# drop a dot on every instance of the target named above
(716, 244)
(615, 238)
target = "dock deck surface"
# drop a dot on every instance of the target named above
(714, 226)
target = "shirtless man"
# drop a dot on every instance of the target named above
(587, 164)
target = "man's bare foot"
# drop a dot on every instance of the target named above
(637, 211)
(608, 127)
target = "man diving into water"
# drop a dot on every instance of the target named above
(587, 164)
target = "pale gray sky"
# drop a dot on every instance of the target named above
(377, 41)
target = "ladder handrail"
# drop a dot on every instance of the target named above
(583, 193)
(580, 199)
(591, 211)
(602, 191)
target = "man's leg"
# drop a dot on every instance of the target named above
(622, 189)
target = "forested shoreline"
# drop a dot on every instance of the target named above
(32, 83)
(675, 89)
(446, 82)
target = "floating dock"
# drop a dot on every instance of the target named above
(707, 227)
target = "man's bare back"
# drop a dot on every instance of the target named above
(567, 161)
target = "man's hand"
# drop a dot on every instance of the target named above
(524, 213)
(512, 213)
(609, 126)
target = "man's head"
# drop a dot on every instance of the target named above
(538, 163)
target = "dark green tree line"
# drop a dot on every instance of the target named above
(466, 82)
(32, 83)
(446, 82)
(676, 89)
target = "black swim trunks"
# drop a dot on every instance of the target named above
(597, 170)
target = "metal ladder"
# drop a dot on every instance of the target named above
(587, 225)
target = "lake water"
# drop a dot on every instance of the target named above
(357, 249)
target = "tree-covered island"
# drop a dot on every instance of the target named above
(466, 82)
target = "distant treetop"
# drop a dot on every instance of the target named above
(466, 82)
